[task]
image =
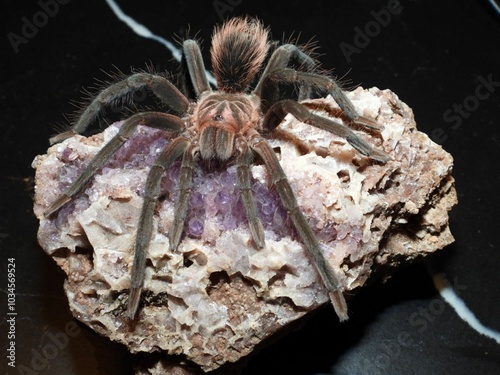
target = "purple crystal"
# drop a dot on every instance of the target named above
(68, 155)
(196, 201)
(214, 195)
(229, 222)
(69, 173)
(280, 218)
(267, 204)
(174, 172)
(237, 210)
(170, 180)
(328, 233)
(155, 149)
(223, 201)
(195, 227)
(141, 149)
(228, 179)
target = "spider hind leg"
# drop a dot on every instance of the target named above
(279, 110)
(283, 57)
(327, 84)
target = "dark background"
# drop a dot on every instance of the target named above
(434, 55)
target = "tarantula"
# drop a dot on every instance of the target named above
(229, 124)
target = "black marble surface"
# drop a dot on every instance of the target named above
(436, 56)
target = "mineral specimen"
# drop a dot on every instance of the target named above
(218, 296)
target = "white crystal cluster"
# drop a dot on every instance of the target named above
(218, 296)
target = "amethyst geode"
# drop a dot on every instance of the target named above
(218, 296)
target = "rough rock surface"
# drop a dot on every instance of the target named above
(218, 296)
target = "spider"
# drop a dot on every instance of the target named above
(229, 124)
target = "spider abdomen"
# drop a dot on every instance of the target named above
(238, 50)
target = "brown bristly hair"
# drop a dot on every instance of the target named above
(239, 48)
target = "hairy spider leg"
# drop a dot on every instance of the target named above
(327, 84)
(281, 58)
(279, 110)
(196, 67)
(182, 201)
(157, 120)
(145, 227)
(306, 234)
(243, 162)
(160, 86)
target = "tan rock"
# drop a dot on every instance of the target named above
(218, 296)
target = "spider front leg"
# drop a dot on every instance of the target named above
(243, 162)
(279, 180)
(182, 202)
(152, 189)
(325, 83)
(196, 67)
(279, 110)
(159, 85)
(157, 120)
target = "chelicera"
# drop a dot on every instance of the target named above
(228, 125)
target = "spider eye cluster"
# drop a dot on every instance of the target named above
(239, 48)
